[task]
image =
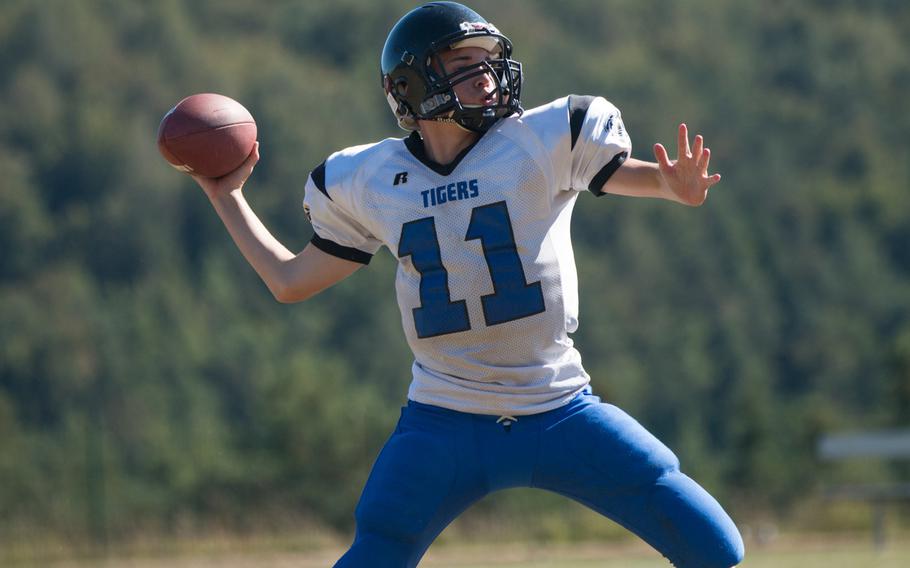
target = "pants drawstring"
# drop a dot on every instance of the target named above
(507, 421)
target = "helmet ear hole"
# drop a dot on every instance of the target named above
(401, 87)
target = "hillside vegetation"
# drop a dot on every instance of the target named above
(148, 380)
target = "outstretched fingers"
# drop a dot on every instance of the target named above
(688, 174)
(702, 165)
(703, 160)
(663, 158)
(698, 147)
(682, 142)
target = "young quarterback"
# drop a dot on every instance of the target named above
(475, 204)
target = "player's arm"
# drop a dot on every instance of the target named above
(290, 277)
(684, 180)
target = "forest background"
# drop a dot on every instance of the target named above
(150, 384)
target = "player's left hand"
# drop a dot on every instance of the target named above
(687, 176)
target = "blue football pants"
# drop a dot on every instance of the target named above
(438, 462)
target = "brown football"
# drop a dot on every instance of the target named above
(207, 134)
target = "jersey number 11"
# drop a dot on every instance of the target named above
(512, 298)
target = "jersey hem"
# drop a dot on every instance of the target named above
(501, 411)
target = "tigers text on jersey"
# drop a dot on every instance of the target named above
(486, 279)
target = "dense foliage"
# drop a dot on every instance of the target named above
(148, 381)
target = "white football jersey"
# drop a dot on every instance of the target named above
(486, 278)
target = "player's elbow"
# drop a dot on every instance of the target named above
(288, 294)
(284, 297)
(291, 297)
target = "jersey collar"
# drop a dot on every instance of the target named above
(414, 144)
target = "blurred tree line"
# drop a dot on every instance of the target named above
(149, 382)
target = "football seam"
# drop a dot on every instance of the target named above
(222, 127)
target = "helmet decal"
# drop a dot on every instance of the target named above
(434, 102)
(479, 27)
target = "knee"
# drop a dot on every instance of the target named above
(727, 551)
(659, 464)
(662, 462)
(731, 555)
(736, 556)
(383, 521)
(384, 540)
(707, 536)
(720, 546)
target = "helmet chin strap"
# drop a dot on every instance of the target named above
(461, 126)
(447, 118)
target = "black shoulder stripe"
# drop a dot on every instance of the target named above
(318, 176)
(600, 179)
(578, 108)
(335, 249)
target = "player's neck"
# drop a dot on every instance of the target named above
(443, 141)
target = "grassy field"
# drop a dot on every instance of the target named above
(809, 553)
(791, 552)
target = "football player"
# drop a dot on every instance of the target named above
(475, 204)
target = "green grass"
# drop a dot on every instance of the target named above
(808, 553)
(759, 559)
(789, 552)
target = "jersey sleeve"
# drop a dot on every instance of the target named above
(599, 142)
(335, 230)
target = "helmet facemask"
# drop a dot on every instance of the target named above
(420, 87)
(442, 103)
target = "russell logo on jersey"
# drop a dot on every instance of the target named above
(454, 191)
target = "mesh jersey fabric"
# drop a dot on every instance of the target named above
(486, 280)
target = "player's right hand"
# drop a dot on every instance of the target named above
(218, 187)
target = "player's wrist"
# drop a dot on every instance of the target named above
(225, 196)
(665, 188)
